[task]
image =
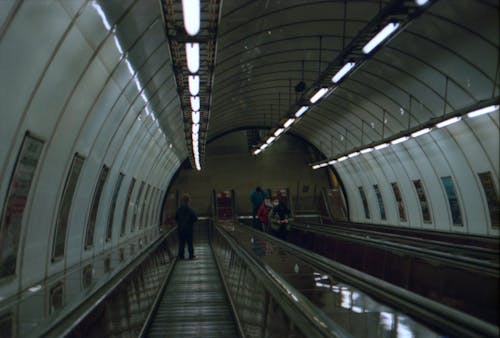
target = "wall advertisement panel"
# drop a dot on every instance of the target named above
(365, 202)
(61, 227)
(399, 201)
(15, 203)
(492, 198)
(426, 212)
(451, 193)
(380, 202)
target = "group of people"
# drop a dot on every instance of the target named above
(269, 216)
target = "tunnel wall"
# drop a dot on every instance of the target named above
(231, 166)
(460, 151)
(81, 80)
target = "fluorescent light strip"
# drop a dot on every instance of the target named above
(319, 94)
(448, 122)
(421, 2)
(381, 36)
(195, 103)
(191, 15)
(256, 152)
(367, 150)
(193, 57)
(399, 140)
(196, 128)
(316, 166)
(382, 146)
(482, 111)
(301, 111)
(130, 68)
(271, 139)
(264, 146)
(101, 13)
(354, 154)
(421, 132)
(279, 132)
(194, 84)
(332, 162)
(118, 45)
(322, 165)
(289, 122)
(195, 116)
(343, 158)
(343, 71)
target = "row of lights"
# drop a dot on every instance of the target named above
(415, 134)
(191, 16)
(130, 68)
(380, 37)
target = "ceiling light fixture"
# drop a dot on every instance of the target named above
(279, 132)
(421, 132)
(399, 140)
(193, 57)
(191, 15)
(381, 36)
(195, 103)
(289, 122)
(301, 111)
(343, 71)
(195, 116)
(421, 2)
(270, 140)
(194, 84)
(319, 94)
(449, 121)
(482, 111)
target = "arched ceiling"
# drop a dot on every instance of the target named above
(444, 59)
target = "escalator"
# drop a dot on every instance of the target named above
(194, 303)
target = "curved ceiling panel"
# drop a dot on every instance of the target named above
(443, 60)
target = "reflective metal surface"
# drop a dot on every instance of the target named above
(194, 303)
(355, 311)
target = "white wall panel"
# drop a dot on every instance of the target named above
(5, 10)
(432, 184)
(22, 64)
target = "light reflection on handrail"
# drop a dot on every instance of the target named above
(317, 320)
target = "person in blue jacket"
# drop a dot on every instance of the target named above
(185, 217)
(256, 197)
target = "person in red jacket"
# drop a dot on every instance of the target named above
(262, 213)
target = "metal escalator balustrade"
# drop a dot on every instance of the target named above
(267, 305)
(444, 277)
(361, 304)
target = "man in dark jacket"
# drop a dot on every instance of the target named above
(185, 218)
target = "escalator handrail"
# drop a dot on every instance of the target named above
(84, 309)
(156, 302)
(305, 314)
(463, 262)
(440, 315)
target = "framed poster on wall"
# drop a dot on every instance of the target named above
(399, 201)
(365, 202)
(451, 193)
(492, 198)
(15, 203)
(380, 201)
(426, 212)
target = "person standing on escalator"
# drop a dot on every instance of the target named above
(185, 217)
(280, 215)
